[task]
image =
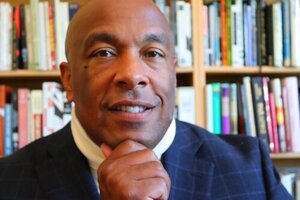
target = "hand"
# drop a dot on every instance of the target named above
(132, 171)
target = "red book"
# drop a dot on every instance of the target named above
(4, 98)
(224, 44)
(265, 85)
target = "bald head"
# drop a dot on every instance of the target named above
(105, 12)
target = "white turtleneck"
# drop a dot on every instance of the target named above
(93, 152)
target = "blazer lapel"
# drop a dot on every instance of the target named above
(65, 173)
(191, 174)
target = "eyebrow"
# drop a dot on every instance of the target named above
(112, 39)
(100, 37)
(159, 38)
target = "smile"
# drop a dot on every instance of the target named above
(131, 109)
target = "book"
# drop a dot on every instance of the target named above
(4, 98)
(276, 90)
(52, 107)
(217, 116)
(277, 34)
(15, 124)
(8, 149)
(265, 87)
(290, 84)
(23, 116)
(249, 106)
(186, 106)
(36, 115)
(225, 108)
(5, 36)
(233, 109)
(183, 48)
(240, 110)
(209, 107)
(259, 109)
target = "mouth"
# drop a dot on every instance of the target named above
(131, 109)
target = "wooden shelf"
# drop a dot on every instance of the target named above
(29, 74)
(226, 70)
(283, 160)
(265, 70)
(277, 156)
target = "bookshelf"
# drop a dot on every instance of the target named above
(197, 75)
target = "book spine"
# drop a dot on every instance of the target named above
(276, 88)
(286, 33)
(224, 48)
(265, 86)
(209, 108)
(8, 150)
(259, 109)
(233, 109)
(23, 101)
(216, 87)
(225, 108)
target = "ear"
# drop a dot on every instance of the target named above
(175, 62)
(65, 75)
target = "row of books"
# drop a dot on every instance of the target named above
(33, 35)
(26, 115)
(250, 33)
(259, 107)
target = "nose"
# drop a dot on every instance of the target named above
(131, 73)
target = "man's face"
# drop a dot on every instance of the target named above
(121, 72)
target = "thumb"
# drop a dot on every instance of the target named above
(106, 150)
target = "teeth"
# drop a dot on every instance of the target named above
(132, 109)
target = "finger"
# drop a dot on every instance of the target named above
(146, 170)
(126, 147)
(106, 150)
(154, 188)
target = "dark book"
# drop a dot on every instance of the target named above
(241, 118)
(22, 40)
(15, 133)
(269, 33)
(259, 109)
(261, 36)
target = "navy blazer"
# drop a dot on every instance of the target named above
(201, 166)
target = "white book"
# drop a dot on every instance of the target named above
(42, 37)
(295, 32)
(53, 107)
(277, 34)
(61, 21)
(184, 33)
(186, 104)
(209, 107)
(250, 117)
(36, 115)
(237, 39)
(5, 36)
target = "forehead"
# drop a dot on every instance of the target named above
(127, 18)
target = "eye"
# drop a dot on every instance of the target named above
(104, 53)
(153, 54)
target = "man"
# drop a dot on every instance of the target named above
(121, 143)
